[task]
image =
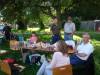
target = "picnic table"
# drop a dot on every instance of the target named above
(44, 50)
(40, 50)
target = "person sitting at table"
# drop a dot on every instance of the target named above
(60, 58)
(21, 41)
(13, 42)
(83, 52)
(33, 39)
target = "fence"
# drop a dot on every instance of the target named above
(88, 25)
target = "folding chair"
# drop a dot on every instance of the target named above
(24, 53)
(5, 67)
(64, 70)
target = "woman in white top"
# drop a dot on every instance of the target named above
(59, 59)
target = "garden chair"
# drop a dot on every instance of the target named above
(24, 53)
(11, 69)
(5, 68)
(64, 70)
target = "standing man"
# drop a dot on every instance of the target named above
(55, 29)
(69, 29)
(7, 31)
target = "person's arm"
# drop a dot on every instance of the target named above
(4, 29)
(36, 39)
(86, 52)
(74, 28)
(51, 29)
(81, 54)
(53, 61)
(65, 27)
(73, 45)
(54, 47)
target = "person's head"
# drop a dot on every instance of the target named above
(86, 37)
(62, 47)
(54, 20)
(33, 34)
(69, 19)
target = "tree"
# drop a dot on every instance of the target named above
(31, 10)
(21, 11)
(87, 9)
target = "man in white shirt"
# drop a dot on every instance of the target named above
(69, 29)
(83, 51)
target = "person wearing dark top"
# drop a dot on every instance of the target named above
(7, 31)
(55, 29)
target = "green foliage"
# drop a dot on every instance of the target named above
(30, 12)
(77, 22)
(87, 9)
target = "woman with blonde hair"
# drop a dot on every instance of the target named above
(60, 58)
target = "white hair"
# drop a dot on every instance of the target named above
(86, 34)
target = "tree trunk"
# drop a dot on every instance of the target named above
(58, 14)
(58, 11)
(41, 24)
(22, 25)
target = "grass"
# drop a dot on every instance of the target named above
(32, 69)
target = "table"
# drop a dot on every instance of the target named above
(44, 50)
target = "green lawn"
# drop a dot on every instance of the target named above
(32, 69)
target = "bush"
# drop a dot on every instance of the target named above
(77, 22)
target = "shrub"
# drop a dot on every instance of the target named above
(77, 22)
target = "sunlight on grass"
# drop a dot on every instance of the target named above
(47, 30)
(32, 29)
(96, 43)
(77, 37)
